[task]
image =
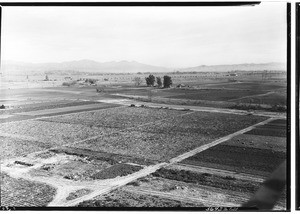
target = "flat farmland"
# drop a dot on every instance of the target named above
(165, 140)
(254, 154)
(123, 156)
(12, 147)
(160, 147)
(123, 117)
(255, 86)
(215, 94)
(269, 99)
(38, 105)
(203, 124)
(51, 133)
(68, 110)
(269, 130)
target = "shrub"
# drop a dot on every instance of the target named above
(137, 81)
(69, 83)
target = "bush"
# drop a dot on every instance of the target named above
(91, 81)
(69, 83)
(137, 81)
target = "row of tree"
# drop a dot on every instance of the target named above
(150, 81)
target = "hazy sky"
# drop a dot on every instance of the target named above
(164, 36)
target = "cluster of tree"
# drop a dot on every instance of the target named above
(91, 81)
(150, 81)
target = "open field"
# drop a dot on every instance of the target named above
(78, 147)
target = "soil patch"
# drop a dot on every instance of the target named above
(206, 179)
(23, 193)
(103, 156)
(119, 198)
(115, 171)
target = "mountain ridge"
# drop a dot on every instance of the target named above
(124, 66)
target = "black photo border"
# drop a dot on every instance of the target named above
(182, 4)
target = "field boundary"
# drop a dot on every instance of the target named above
(216, 142)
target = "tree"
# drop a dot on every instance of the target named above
(150, 80)
(137, 81)
(158, 81)
(46, 78)
(167, 82)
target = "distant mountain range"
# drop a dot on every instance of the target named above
(238, 67)
(90, 66)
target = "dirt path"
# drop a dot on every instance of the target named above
(221, 172)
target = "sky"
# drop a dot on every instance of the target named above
(162, 36)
